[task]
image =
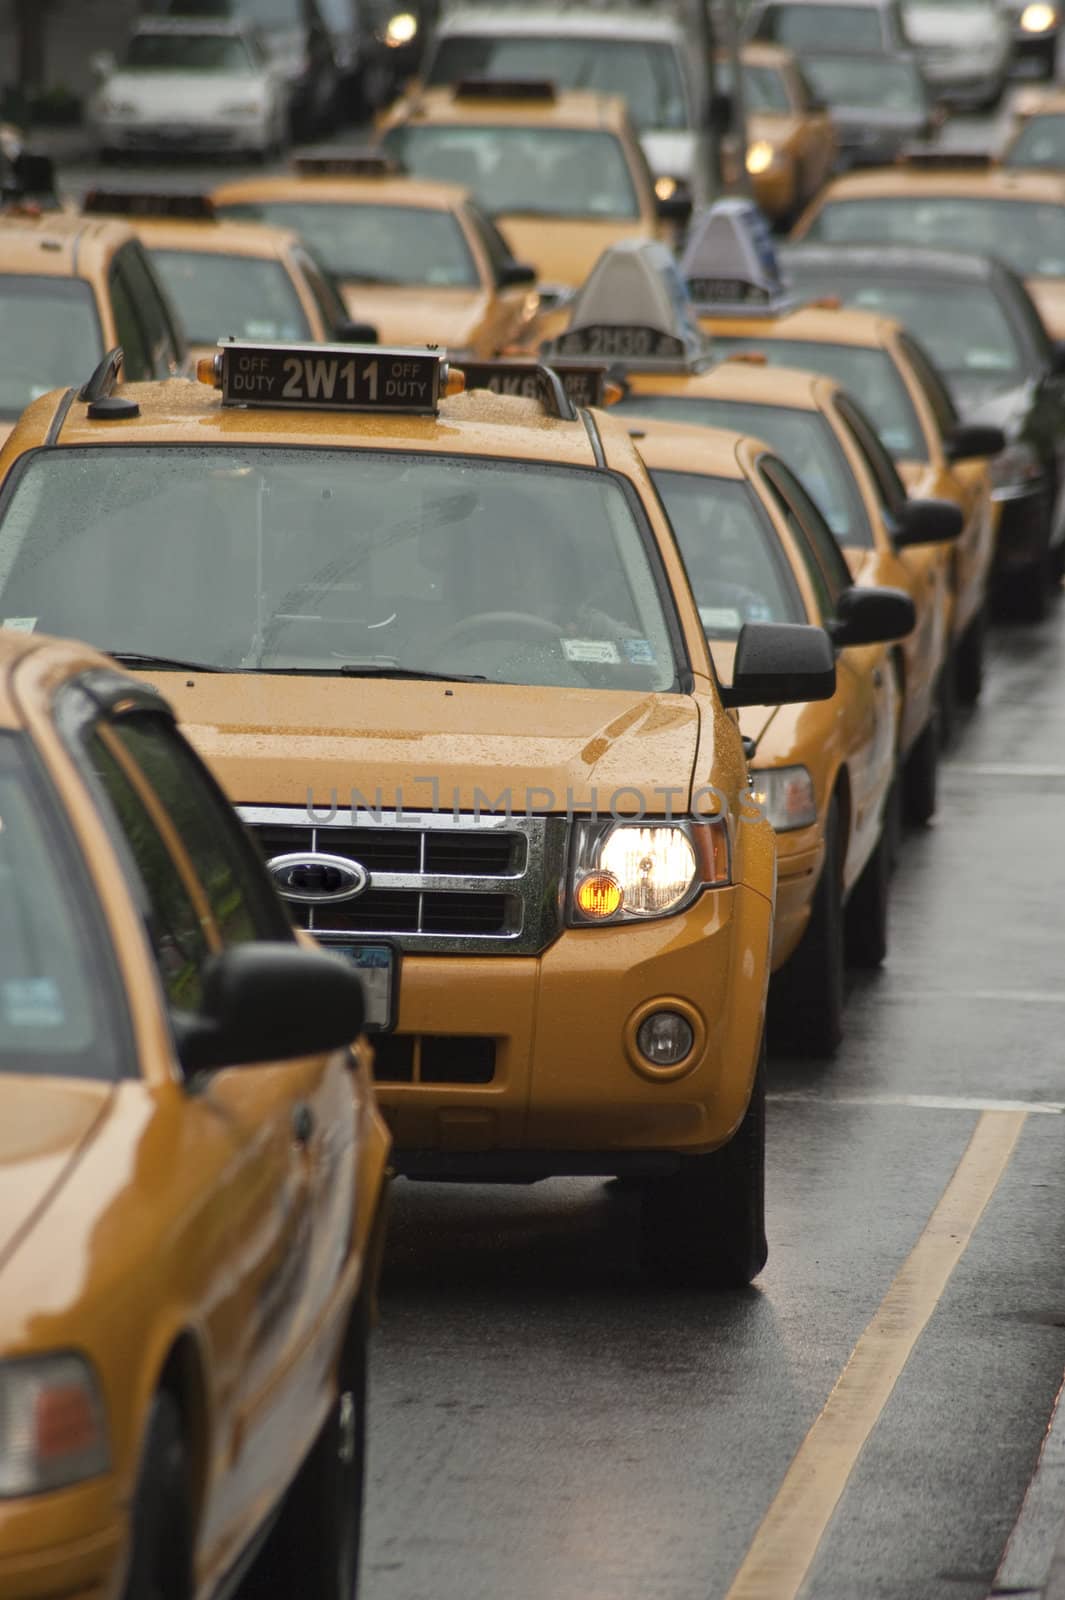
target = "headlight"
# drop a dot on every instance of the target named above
(1038, 17)
(1015, 471)
(52, 1427)
(786, 795)
(666, 187)
(401, 29)
(760, 157)
(628, 871)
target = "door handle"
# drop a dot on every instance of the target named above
(878, 677)
(302, 1123)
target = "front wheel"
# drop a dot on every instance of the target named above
(867, 907)
(160, 1563)
(920, 776)
(806, 995)
(704, 1227)
(969, 659)
(313, 1548)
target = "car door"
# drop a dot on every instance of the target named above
(867, 690)
(283, 1216)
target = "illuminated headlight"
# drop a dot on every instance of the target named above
(629, 871)
(786, 795)
(760, 157)
(666, 187)
(400, 29)
(1038, 17)
(52, 1427)
(1015, 471)
(243, 108)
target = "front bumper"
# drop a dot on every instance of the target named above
(565, 1077)
(67, 1545)
(205, 138)
(1023, 530)
(965, 82)
(799, 858)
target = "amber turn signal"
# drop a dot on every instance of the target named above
(209, 371)
(598, 896)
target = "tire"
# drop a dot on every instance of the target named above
(919, 776)
(705, 1226)
(946, 702)
(160, 1566)
(806, 995)
(866, 917)
(969, 658)
(1023, 596)
(313, 1548)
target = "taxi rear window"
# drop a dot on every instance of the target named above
(373, 243)
(53, 1005)
(871, 375)
(51, 329)
(1040, 143)
(523, 171)
(1027, 234)
(250, 558)
(803, 439)
(219, 295)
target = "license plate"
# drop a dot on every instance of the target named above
(376, 965)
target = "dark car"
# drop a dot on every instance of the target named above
(879, 103)
(979, 324)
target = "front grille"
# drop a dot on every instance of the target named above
(433, 1058)
(438, 882)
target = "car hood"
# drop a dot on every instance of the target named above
(669, 154)
(45, 1124)
(966, 26)
(276, 740)
(453, 318)
(564, 250)
(181, 95)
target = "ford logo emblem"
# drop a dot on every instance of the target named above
(318, 879)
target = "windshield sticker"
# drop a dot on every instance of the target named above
(32, 1003)
(639, 652)
(602, 651)
(20, 624)
(719, 617)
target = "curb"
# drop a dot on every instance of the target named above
(1033, 1562)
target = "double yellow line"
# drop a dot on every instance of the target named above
(786, 1543)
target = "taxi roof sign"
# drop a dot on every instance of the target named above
(360, 162)
(190, 207)
(730, 262)
(327, 377)
(558, 388)
(538, 89)
(634, 309)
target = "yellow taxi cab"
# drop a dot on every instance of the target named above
(756, 548)
(561, 171)
(70, 289)
(417, 260)
(730, 268)
(191, 1169)
(634, 311)
(471, 716)
(251, 281)
(949, 204)
(1036, 141)
(791, 138)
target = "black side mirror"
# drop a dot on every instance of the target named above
(720, 110)
(871, 616)
(270, 1002)
(349, 332)
(781, 663)
(928, 522)
(971, 439)
(516, 275)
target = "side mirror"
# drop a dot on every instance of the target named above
(971, 439)
(270, 1002)
(720, 110)
(781, 663)
(517, 275)
(348, 332)
(102, 64)
(871, 616)
(928, 522)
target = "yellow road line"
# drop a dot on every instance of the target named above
(786, 1543)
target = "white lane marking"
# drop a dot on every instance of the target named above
(919, 1102)
(1021, 997)
(1029, 1553)
(1000, 769)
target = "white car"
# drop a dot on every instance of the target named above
(964, 47)
(646, 56)
(189, 87)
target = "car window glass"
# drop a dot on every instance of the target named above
(806, 26)
(372, 243)
(136, 364)
(1040, 143)
(935, 390)
(52, 337)
(821, 556)
(331, 308)
(217, 296)
(890, 489)
(152, 310)
(1029, 235)
(492, 241)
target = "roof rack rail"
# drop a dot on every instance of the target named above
(535, 89)
(104, 377)
(185, 207)
(935, 158)
(558, 389)
(360, 162)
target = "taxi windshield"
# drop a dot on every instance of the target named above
(220, 295)
(188, 52)
(256, 558)
(803, 439)
(644, 71)
(1040, 143)
(51, 335)
(881, 81)
(1027, 234)
(52, 1012)
(764, 88)
(373, 243)
(806, 25)
(523, 170)
(731, 552)
(869, 374)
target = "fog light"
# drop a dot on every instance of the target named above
(665, 1038)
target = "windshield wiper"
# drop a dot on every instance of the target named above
(379, 669)
(134, 658)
